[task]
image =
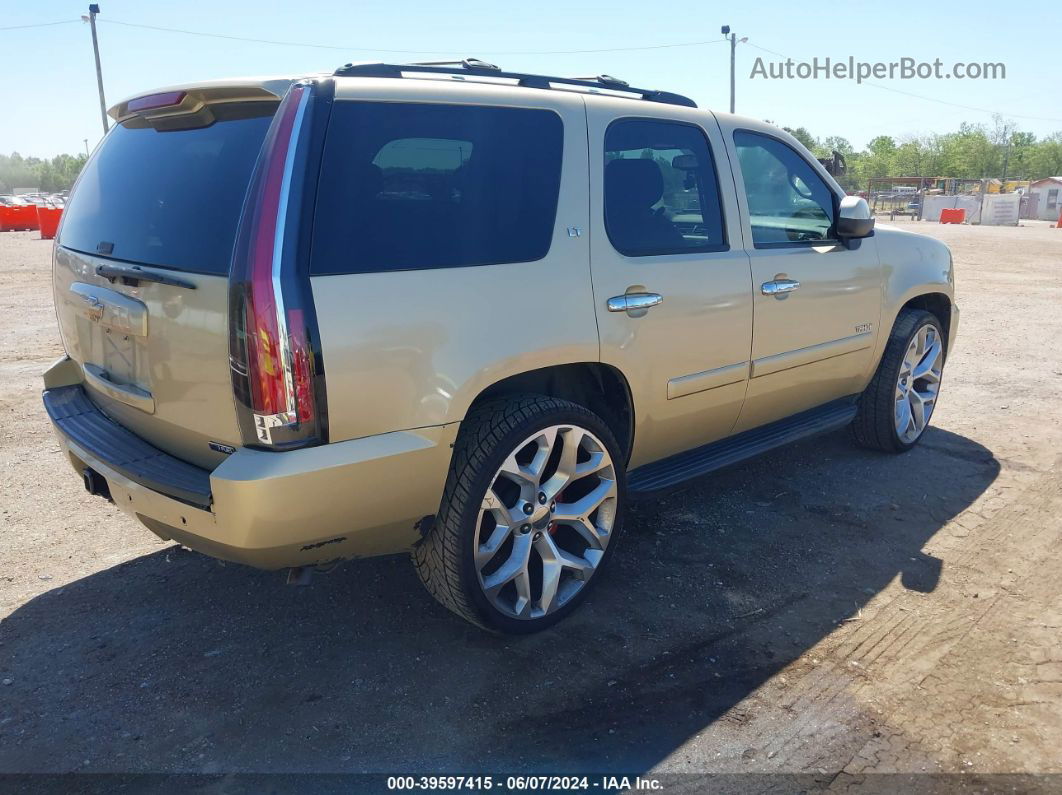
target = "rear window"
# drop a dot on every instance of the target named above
(407, 186)
(170, 198)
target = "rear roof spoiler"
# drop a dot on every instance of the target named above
(190, 98)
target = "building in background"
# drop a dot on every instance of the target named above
(1047, 204)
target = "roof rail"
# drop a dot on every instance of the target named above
(474, 66)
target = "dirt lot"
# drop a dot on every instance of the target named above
(822, 610)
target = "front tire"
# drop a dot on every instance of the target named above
(531, 510)
(896, 406)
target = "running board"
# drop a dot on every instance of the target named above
(732, 450)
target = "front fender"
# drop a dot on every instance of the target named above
(912, 265)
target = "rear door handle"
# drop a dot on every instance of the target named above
(124, 393)
(633, 302)
(779, 287)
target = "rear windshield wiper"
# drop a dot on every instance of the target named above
(134, 274)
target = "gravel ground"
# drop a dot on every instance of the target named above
(822, 610)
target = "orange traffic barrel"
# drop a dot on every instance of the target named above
(48, 221)
(953, 215)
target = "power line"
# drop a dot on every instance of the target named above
(923, 97)
(772, 52)
(957, 105)
(347, 48)
(40, 24)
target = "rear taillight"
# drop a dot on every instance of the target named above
(275, 369)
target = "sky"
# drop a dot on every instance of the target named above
(50, 104)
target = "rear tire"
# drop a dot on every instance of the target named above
(525, 472)
(895, 408)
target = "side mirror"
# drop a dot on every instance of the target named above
(854, 220)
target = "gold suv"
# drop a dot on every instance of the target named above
(466, 313)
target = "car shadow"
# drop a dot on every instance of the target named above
(175, 662)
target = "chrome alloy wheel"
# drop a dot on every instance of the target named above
(918, 383)
(545, 521)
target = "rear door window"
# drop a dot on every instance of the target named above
(408, 186)
(661, 191)
(169, 198)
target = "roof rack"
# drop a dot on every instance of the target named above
(478, 68)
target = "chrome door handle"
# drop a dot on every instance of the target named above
(630, 302)
(779, 287)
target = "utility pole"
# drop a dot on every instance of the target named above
(91, 18)
(734, 41)
(86, 148)
(1006, 159)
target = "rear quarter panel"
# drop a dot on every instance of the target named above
(414, 348)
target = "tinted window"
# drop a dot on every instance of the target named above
(788, 202)
(170, 199)
(661, 192)
(409, 186)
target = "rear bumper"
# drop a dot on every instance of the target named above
(76, 418)
(356, 498)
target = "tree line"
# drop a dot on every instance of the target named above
(43, 175)
(974, 151)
